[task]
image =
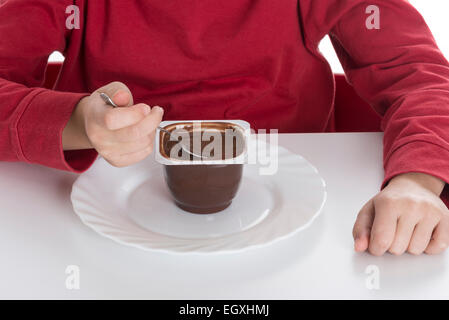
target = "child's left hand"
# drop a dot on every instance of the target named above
(407, 215)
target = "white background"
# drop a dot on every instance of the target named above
(435, 12)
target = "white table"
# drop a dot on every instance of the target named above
(40, 236)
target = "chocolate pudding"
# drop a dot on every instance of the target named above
(213, 141)
(203, 188)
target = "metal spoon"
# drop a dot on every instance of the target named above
(109, 101)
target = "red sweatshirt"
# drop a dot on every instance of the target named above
(255, 60)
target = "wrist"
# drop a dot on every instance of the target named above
(431, 183)
(79, 113)
(74, 134)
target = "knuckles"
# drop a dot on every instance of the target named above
(416, 206)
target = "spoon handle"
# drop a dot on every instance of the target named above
(108, 100)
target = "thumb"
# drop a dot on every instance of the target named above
(122, 98)
(119, 93)
(362, 227)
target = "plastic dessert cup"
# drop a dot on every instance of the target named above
(208, 184)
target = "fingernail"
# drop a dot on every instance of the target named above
(358, 246)
(158, 109)
(146, 110)
(119, 92)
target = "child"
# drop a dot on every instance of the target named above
(255, 60)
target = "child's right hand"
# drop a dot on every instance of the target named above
(122, 136)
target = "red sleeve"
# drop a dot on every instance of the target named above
(399, 70)
(32, 119)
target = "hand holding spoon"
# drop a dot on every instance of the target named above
(109, 101)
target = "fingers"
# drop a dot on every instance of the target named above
(118, 118)
(123, 149)
(124, 135)
(362, 227)
(384, 227)
(404, 231)
(130, 144)
(440, 238)
(143, 128)
(131, 158)
(421, 236)
(408, 216)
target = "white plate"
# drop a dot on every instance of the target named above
(133, 206)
